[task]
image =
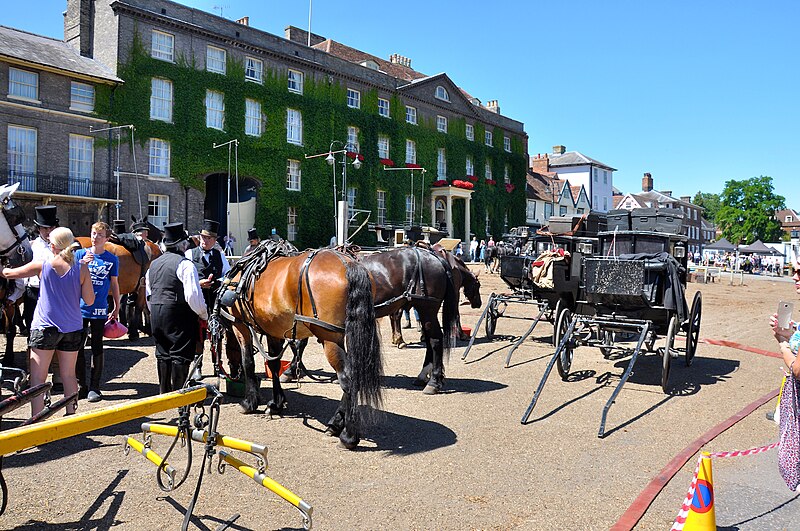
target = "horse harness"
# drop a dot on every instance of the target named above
(241, 292)
(417, 281)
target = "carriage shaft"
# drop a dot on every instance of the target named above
(54, 430)
(201, 436)
(152, 456)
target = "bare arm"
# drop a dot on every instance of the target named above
(28, 270)
(115, 295)
(87, 290)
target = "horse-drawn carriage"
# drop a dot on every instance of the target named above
(633, 292)
(547, 276)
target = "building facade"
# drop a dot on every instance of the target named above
(52, 107)
(596, 178)
(194, 81)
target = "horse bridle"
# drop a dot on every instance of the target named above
(7, 214)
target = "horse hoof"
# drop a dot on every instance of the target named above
(419, 382)
(348, 445)
(245, 410)
(430, 390)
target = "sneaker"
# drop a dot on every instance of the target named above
(94, 396)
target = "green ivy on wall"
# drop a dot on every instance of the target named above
(325, 117)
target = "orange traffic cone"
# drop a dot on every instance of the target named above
(701, 515)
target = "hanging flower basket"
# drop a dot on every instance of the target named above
(509, 187)
(413, 166)
(388, 162)
(353, 155)
(491, 181)
(472, 178)
(466, 185)
(440, 183)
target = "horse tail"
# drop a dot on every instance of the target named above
(449, 312)
(364, 362)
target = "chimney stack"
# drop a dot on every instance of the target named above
(401, 60)
(540, 163)
(686, 198)
(559, 150)
(647, 183)
(244, 21)
(493, 106)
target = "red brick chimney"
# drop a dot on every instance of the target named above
(647, 183)
(540, 163)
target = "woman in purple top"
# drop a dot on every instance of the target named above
(57, 325)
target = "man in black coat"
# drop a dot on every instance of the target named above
(174, 297)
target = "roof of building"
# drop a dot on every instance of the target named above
(575, 158)
(539, 185)
(353, 55)
(44, 51)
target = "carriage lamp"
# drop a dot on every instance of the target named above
(585, 248)
(680, 251)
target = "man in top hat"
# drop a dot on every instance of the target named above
(141, 229)
(118, 226)
(211, 265)
(173, 293)
(45, 222)
(253, 241)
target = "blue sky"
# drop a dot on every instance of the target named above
(696, 93)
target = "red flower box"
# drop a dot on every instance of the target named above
(439, 183)
(353, 155)
(387, 162)
(509, 187)
(472, 178)
(491, 181)
(463, 184)
(413, 166)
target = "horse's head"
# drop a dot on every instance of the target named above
(469, 282)
(12, 233)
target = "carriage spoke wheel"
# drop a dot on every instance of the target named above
(559, 306)
(607, 337)
(666, 357)
(491, 320)
(693, 333)
(564, 360)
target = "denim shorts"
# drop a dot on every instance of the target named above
(51, 339)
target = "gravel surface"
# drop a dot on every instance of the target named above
(458, 460)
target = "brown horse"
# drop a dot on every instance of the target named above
(131, 278)
(320, 293)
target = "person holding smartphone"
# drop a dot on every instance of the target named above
(789, 337)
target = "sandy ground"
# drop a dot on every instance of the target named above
(458, 460)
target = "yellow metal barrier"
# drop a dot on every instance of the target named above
(262, 479)
(54, 430)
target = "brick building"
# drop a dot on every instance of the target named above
(49, 100)
(195, 80)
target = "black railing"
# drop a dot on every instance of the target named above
(58, 184)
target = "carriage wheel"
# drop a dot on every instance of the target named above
(556, 313)
(564, 360)
(491, 320)
(607, 336)
(666, 357)
(693, 334)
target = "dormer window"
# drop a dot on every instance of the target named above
(441, 94)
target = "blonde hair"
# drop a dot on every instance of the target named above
(102, 226)
(63, 239)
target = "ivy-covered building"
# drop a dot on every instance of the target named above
(193, 81)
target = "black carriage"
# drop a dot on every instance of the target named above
(554, 294)
(634, 290)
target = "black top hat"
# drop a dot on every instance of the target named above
(46, 216)
(252, 234)
(119, 226)
(210, 228)
(174, 233)
(140, 226)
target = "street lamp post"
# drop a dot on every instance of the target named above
(341, 217)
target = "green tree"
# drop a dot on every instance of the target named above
(711, 204)
(748, 210)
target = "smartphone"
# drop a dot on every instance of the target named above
(785, 310)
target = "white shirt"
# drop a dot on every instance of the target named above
(41, 253)
(187, 274)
